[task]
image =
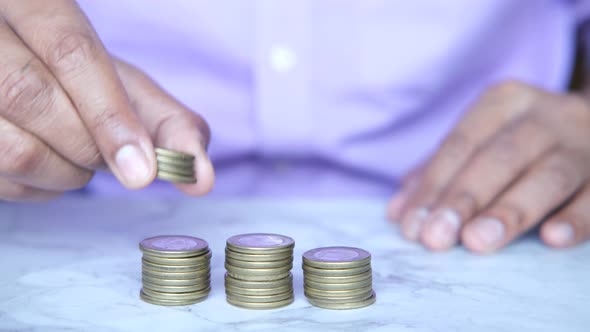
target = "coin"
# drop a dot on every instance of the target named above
(336, 272)
(260, 298)
(174, 282)
(258, 277)
(260, 265)
(178, 289)
(152, 300)
(172, 268)
(258, 257)
(174, 246)
(163, 175)
(176, 275)
(174, 154)
(343, 306)
(339, 280)
(337, 287)
(258, 284)
(177, 296)
(161, 159)
(180, 170)
(317, 293)
(336, 257)
(260, 243)
(258, 272)
(257, 291)
(189, 261)
(260, 306)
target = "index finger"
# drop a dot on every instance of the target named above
(61, 36)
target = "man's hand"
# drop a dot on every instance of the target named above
(520, 157)
(68, 108)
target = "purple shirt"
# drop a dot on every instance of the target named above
(332, 97)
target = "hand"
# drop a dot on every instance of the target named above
(68, 108)
(519, 158)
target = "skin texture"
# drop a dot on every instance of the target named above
(520, 157)
(68, 108)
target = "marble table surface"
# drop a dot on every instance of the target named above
(74, 265)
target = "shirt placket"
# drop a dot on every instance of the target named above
(282, 102)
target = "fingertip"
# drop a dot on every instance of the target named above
(558, 234)
(134, 166)
(483, 235)
(440, 231)
(412, 222)
(395, 207)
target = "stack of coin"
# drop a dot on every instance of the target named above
(259, 271)
(175, 166)
(338, 278)
(175, 270)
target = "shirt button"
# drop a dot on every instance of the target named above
(282, 58)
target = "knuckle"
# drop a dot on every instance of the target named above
(509, 88)
(21, 158)
(72, 51)
(26, 91)
(503, 150)
(577, 108)
(90, 157)
(456, 146)
(562, 173)
(106, 121)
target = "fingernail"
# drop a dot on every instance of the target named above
(414, 225)
(132, 165)
(561, 233)
(394, 209)
(443, 229)
(490, 231)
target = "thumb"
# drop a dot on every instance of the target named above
(170, 124)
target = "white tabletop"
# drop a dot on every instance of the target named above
(74, 265)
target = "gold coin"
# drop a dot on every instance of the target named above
(180, 170)
(172, 268)
(260, 265)
(339, 280)
(257, 291)
(319, 293)
(174, 154)
(343, 306)
(177, 296)
(258, 257)
(177, 275)
(162, 175)
(257, 272)
(174, 161)
(258, 284)
(151, 300)
(260, 306)
(338, 287)
(270, 277)
(336, 272)
(173, 282)
(188, 261)
(260, 298)
(178, 289)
